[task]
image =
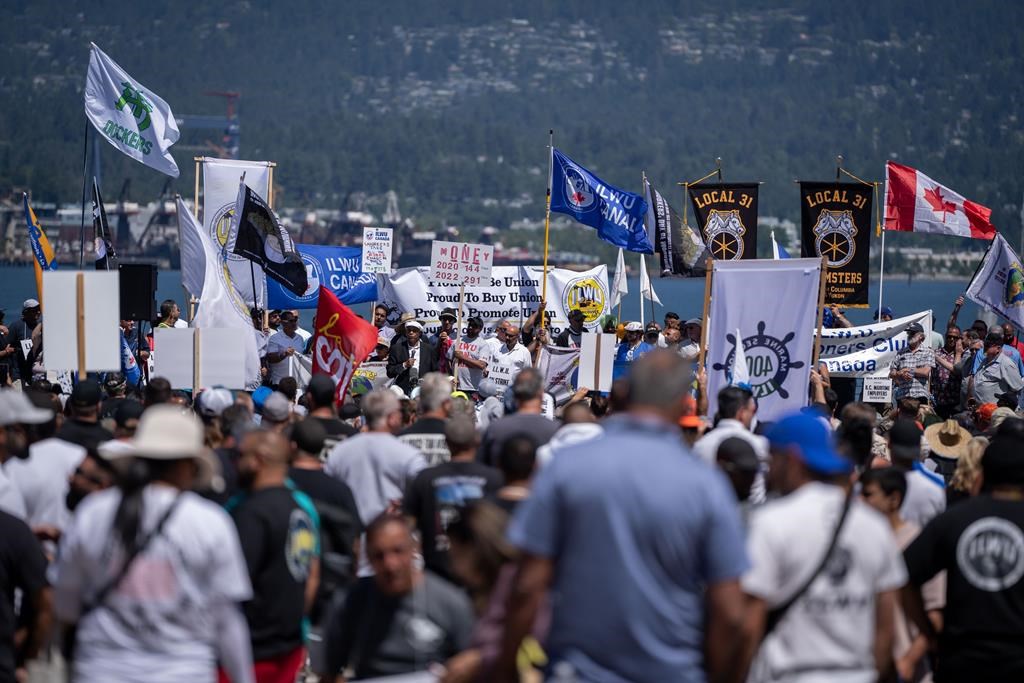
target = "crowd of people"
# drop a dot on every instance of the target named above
(463, 523)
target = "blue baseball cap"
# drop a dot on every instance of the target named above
(885, 311)
(812, 442)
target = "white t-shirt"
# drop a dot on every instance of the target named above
(707, 449)
(42, 480)
(827, 636)
(11, 501)
(278, 343)
(158, 624)
(477, 349)
(504, 364)
(925, 498)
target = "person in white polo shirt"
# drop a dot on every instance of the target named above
(282, 344)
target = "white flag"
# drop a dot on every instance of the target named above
(220, 194)
(646, 288)
(776, 341)
(619, 285)
(740, 370)
(999, 285)
(193, 253)
(219, 306)
(128, 115)
(559, 367)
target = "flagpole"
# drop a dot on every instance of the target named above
(821, 312)
(702, 351)
(85, 182)
(270, 205)
(547, 222)
(881, 277)
(643, 266)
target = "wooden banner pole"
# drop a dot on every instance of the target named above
(821, 312)
(458, 333)
(80, 325)
(702, 352)
(196, 379)
(547, 224)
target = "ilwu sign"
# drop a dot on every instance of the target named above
(773, 304)
(868, 349)
(511, 292)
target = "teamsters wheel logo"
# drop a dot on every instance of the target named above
(724, 231)
(834, 235)
(768, 361)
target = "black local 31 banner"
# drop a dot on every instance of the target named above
(727, 216)
(835, 221)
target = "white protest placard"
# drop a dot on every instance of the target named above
(877, 390)
(597, 358)
(369, 376)
(220, 363)
(461, 263)
(99, 336)
(377, 250)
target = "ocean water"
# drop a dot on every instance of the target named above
(684, 297)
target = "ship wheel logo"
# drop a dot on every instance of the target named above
(768, 360)
(724, 231)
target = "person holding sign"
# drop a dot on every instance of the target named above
(471, 354)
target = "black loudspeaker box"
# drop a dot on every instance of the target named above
(138, 291)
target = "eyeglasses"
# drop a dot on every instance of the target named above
(952, 336)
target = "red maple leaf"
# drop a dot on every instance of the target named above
(937, 201)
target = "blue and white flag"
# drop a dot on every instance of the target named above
(339, 269)
(618, 215)
(778, 251)
(129, 367)
(999, 283)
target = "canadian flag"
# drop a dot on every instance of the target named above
(916, 203)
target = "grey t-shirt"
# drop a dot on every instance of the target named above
(537, 427)
(380, 635)
(996, 377)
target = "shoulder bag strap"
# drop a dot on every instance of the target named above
(775, 615)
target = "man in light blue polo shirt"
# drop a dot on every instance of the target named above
(640, 544)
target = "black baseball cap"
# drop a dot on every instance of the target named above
(576, 314)
(86, 394)
(915, 328)
(1002, 463)
(309, 435)
(128, 409)
(321, 390)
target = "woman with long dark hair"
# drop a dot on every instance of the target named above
(149, 573)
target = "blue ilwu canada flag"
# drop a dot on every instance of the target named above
(618, 215)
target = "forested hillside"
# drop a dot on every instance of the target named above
(449, 103)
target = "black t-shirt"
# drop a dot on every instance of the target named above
(340, 526)
(336, 428)
(22, 566)
(88, 435)
(435, 497)
(110, 405)
(980, 544)
(279, 531)
(427, 436)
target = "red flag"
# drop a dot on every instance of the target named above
(916, 203)
(342, 342)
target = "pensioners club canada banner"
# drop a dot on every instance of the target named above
(835, 222)
(868, 349)
(512, 292)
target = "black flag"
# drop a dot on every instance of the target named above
(106, 257)
(727, 216)
(835, 222)
(682, 250)
(260, 238)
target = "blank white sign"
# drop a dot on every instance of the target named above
(102, 320)
(597, 356)
(221, 358)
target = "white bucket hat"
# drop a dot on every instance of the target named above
(166, 432)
